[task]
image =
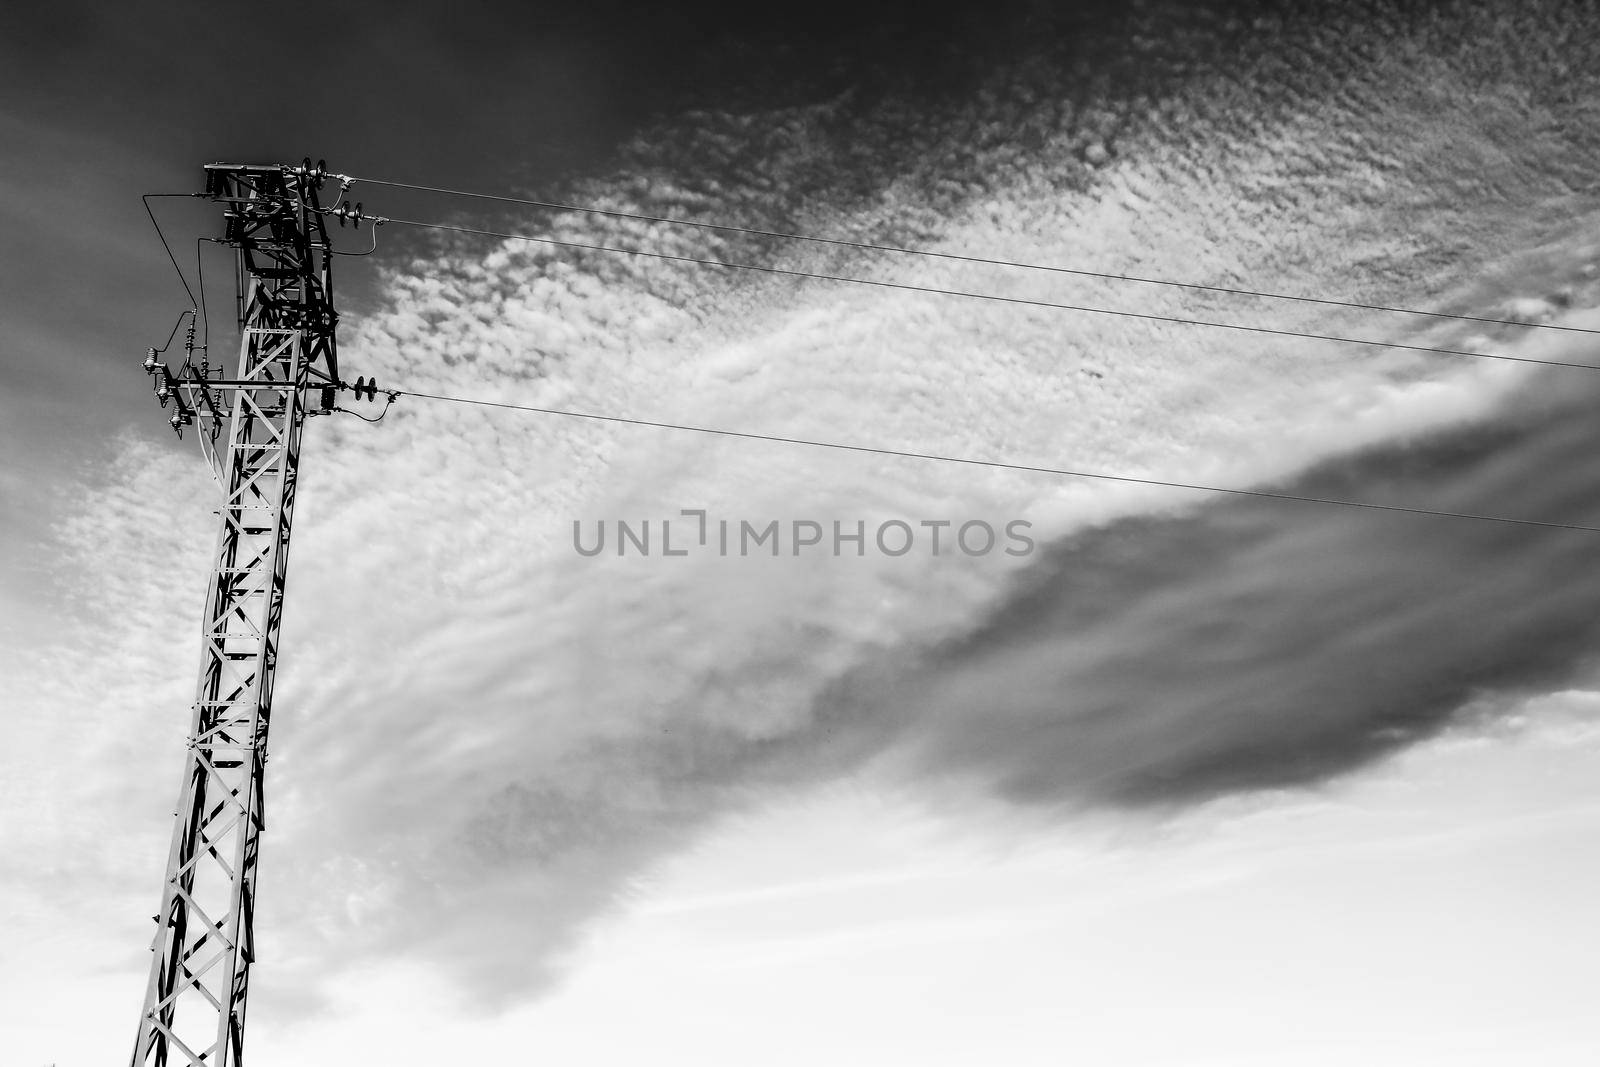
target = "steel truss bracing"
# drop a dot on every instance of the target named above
(194, 1006)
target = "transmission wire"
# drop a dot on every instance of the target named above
(185, 281)
(200, 280)
(996, 464)
(868, 246)
(906, 286)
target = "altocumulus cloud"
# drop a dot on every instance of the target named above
(481, 738)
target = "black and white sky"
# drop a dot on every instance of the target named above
(1204, 779)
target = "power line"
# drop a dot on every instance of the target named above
(200, 280)
(906, 286)
(869, 246)
(996, 464)
(173, 258)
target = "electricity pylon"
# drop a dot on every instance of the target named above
(194, 1006)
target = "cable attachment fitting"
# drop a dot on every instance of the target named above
(188, 344)
(354, 215)
(167, 390)
(364, 389)
(162, 381)
(313, 175)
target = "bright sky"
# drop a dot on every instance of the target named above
(1201, 781)
(848, 925)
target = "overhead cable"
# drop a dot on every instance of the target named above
(995, 464)
(965, 294)
(868, 246)
(147, 210)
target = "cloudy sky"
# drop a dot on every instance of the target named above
(1202, 779)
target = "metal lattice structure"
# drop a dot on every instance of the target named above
(194, 1006)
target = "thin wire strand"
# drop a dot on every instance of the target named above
(174, 332)
(369, 251)
(200, 280)
(173, 258)
(906, 286)
(364, 418)
(868, 246)
(999, 465)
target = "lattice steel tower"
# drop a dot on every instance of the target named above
(194, 1006)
